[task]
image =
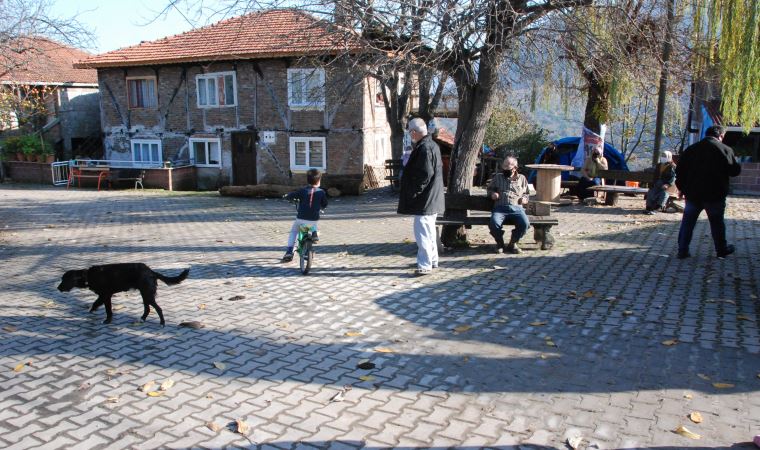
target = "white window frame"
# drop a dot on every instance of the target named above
(308, 101)
(380, 151)
(155, 92)
(307, 166)
(206, 141)
(138, 162)
(215, 76)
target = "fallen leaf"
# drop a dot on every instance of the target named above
(611, 299)
(537, 324)
(627, 313)
(353, 333)
(695, 417)
(118, 307)
(384, 350)
(242, 426)
(723, 385)
(688, 396)
(155, 393)
(49, 304)
(19, 367)
(202, 306)
(231, 352)
(742, 317)
(235, 298)
(589, 294)
(703, 376)
(366, 378)
(338, 397)
(147, 386)
(192, 324)
(282, 325)
(220, 365)
(166, 384)
(670, 342)
(550, 343)
(112, 399)
(213, 426)
(462, 328)
(10, 328)
(683, 431)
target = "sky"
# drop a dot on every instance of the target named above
(119, 23)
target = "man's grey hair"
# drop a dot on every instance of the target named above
(715, 131)
(418, 125)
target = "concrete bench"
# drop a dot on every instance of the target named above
(539, 215)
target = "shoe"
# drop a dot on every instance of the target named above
(649, 212)
(422, 272)
(287, 257)
(729, 249)
(500, 249)
(512, 249)
(684, 255)
(314, 237)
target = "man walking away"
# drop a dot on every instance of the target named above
(702, 176)
(421, 194)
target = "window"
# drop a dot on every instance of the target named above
(141, 92)
(216, 89)
(380, 145)
(146, 151)
(307, 153)
(206, 152)
(306, 88)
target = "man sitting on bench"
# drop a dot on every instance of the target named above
(509, 191)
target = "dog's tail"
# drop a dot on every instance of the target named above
(173, 280)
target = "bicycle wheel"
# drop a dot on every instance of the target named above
(307, 254)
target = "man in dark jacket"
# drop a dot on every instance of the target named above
(702, 176)
(421, 194)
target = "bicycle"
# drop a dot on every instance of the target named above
(305, 247)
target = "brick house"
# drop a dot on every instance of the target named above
(42, 68)
(254, 99)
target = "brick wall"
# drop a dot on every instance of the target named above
(748, 182)
(262, 105)
(28, 172)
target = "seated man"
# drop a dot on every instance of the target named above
(589, 173)
(509, 191)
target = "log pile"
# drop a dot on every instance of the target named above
(258, 190)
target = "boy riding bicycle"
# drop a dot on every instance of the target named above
(311, 199)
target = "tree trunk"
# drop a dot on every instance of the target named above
(597, 103)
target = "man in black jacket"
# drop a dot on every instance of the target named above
(702, 176)
(421, 194)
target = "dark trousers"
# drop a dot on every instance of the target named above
(585, 183)
(509, 214)
(715, 210)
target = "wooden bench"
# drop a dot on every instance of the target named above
(393, 166)
(615, 184)
(119, 175)
(539, 215)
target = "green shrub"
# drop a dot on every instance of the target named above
(511, 132)
(28, 145)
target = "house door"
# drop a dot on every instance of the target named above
(243, 158)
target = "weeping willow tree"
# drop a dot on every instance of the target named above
(727, 35)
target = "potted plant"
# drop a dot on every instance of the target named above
(30, 153)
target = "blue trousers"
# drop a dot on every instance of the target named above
(510, 214)
(715, 210)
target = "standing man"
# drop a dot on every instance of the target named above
(421, 194)
(509, 191)
(702, 176)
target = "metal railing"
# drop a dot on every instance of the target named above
(60, 170)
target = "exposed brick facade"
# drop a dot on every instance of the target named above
(748, 181)
(348, 122)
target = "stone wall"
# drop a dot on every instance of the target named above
(28, 172)
(748, 182)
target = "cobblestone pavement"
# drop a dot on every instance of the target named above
(490, 351)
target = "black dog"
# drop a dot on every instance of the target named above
(109, 279)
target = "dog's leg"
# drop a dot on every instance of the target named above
(149, 299)
(96, 304)
(109, 312)
(160, 313)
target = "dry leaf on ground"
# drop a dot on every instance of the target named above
(695, 417)
(147, 386)
(550, 343)
(537, 324)
(155, 393)
(703, 376)
(202, 306)
(366, 378)
(112, 399)
(384, 350)
(20, 366)
(462, 328)
(575, 442)
(353, 333)
(10, 328)
(683, 431)
(670, 342)
(213, 426)
(166, 384)
(589, 294)
(242, 426)
(220, 365)
(717, 385)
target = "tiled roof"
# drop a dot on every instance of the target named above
(273, 33)
(42, 61)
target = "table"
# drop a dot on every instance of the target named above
(613, 191)
(79, 172)
(548, 179)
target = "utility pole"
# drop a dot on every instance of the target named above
(662, 94)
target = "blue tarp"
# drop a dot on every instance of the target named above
(566, 148)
